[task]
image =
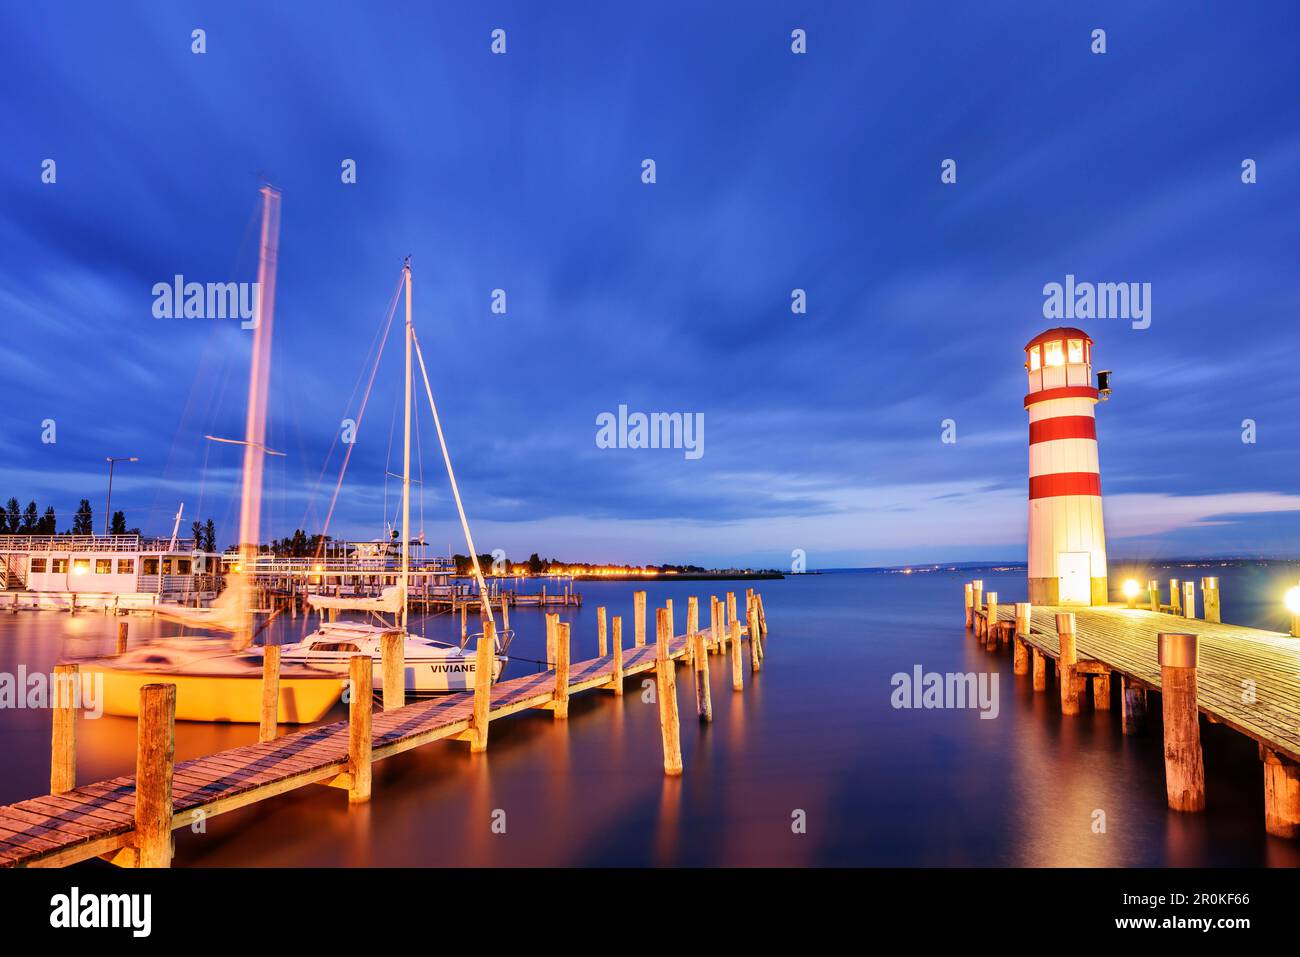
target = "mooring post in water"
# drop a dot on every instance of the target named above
(666, 680)
(756, 632)
(270, 715)
(1175, 607)
(1134, 714)
(762, 615)
(1281, 794)
(1179, 656)
(484, 665)
(1153, 593)
(1068, 662)
(714, 623)
(731, 606)
(692, 627)
(552, 619)
(638, 618)
(505, 614)
(1019, 649)
(755, 660)
(602, 642)
(1189, 599)
(991, 623)
(737, 679)
(121, 636)
(1210, 598)
(360, 707)
(155, 755)
(616, 636)
(1101, 692)
(703, 693)
(977, 596)
(63, 740)
(561, 696)
(1040, 669)
(672, 619)
(393, 657)
(464, 622)
(970, 605)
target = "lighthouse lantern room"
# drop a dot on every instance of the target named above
(1067, 543)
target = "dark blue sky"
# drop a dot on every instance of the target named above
(775, 171)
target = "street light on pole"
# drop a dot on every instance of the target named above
(108, 505)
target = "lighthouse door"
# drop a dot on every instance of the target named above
(1075, 571)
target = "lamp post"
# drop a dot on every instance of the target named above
(108, 504)
(1292, 601)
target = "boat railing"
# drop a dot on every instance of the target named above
(92, 543)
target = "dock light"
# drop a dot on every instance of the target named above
(1131, 591)
(1292, 600)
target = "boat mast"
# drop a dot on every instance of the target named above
(250, 507)
(406, 453)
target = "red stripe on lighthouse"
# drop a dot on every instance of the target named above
(1064, 483)
(1064, 392)
(1063, 427)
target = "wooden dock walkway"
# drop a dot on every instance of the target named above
(101, 819)
(1247, 679)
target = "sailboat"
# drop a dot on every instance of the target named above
(221, 679)
(429, 666)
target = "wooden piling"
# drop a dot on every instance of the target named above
(977, 595)
(1189, 599)
(464, 623)
(270, 716)
(484, 665)
(638, 618)
(561, 708)
(505, 614)
(692, 626)
(713, 621)
(991, 623)
(1175, 604)
(1040, 669)
(121, 635)
(63, 739)
(1281, 794)
(1210, 598)
(1134, 706)
(360, 706)
(1178, 655)
(723, 628)
(616, 636)
(737, 678)
(1068, 662)
(552, 619)
(665, 678)
(392, 650)
(755, 661)
(1020, 650)
(1101, 692)
(970, 606)
(602, 642)
(672, 619)
(703, 693)
(155, 755)
(1153, 593)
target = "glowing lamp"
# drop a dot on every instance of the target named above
(1292, 600)
(1130, 589)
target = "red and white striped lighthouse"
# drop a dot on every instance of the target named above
(1067, 543)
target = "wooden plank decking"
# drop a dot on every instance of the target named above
(1123, 641)
(99, 819)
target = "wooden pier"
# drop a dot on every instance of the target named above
(128, 820)
(1244, 678)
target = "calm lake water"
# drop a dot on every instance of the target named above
(814, 732)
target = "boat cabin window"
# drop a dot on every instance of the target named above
(182, 566)
(150, 566)
(1054, 353)
(38, 566)
(59, 566)
(1075, 350)
(80, 566)
(126, 566)
(1035, 359)
(103, 566)
(335, 646)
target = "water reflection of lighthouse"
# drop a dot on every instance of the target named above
(1067, 542)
